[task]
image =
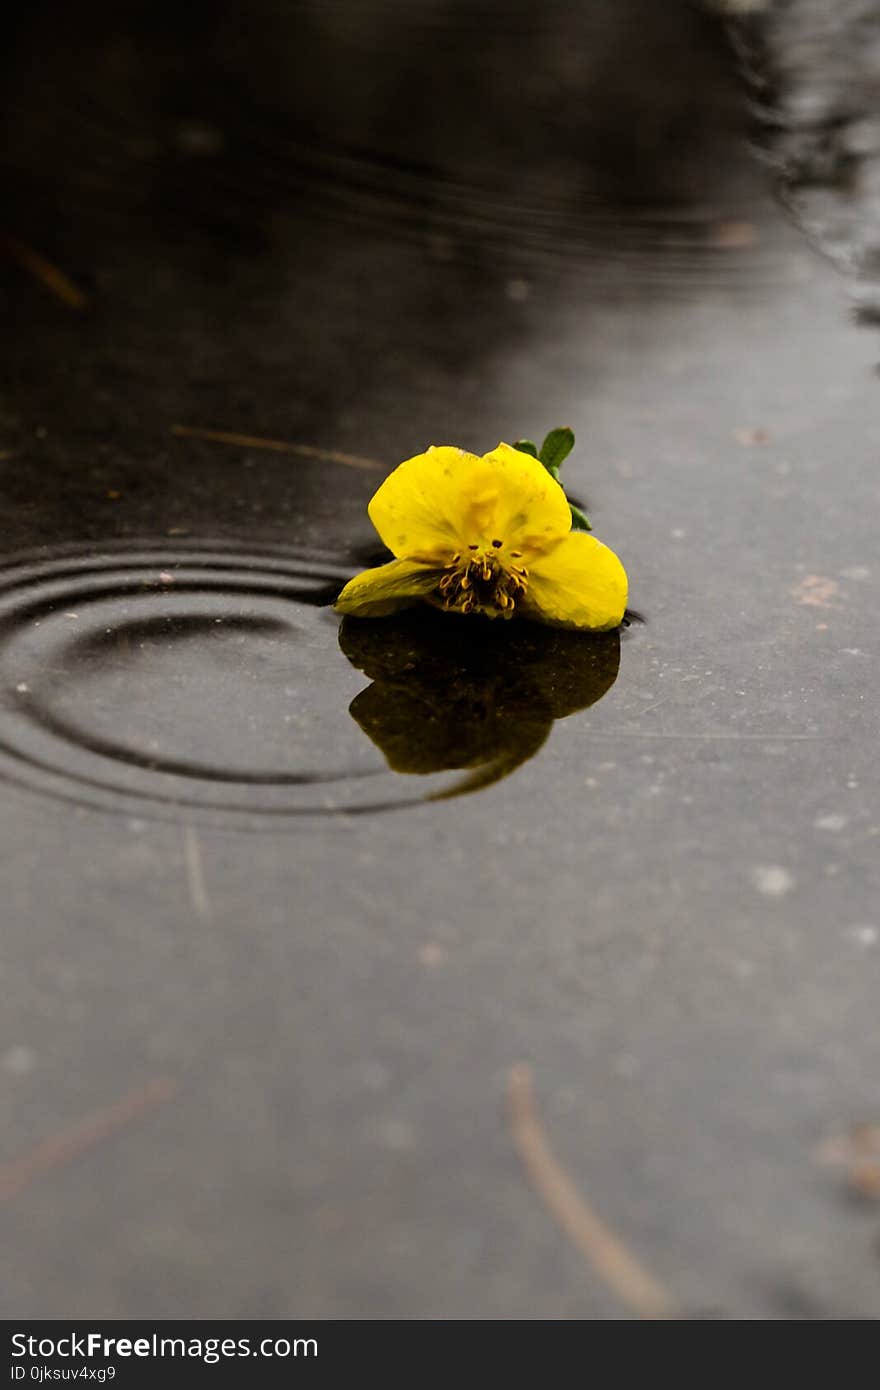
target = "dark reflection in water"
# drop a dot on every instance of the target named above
(222, 117)
(475, 696)
(814, 72)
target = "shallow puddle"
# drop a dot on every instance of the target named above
(291, 900)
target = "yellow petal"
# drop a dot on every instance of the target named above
(531, 513)
(422, 508)
(580, 584)
(376, 592)
(439, 503)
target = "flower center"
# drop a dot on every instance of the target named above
(479, 580)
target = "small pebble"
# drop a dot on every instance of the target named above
(19, 1060)
(772, 880)
(865, 935)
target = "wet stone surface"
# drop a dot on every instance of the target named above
(286, 900)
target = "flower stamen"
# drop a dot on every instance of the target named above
(482, 584)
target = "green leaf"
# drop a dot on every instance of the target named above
(556, 448)
(579, 522)
(527, 446)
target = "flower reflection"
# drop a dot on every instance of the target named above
(480, 698)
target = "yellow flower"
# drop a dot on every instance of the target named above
(486, 535)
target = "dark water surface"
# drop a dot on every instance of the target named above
(318, 888)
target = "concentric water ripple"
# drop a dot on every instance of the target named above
(194, 681)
